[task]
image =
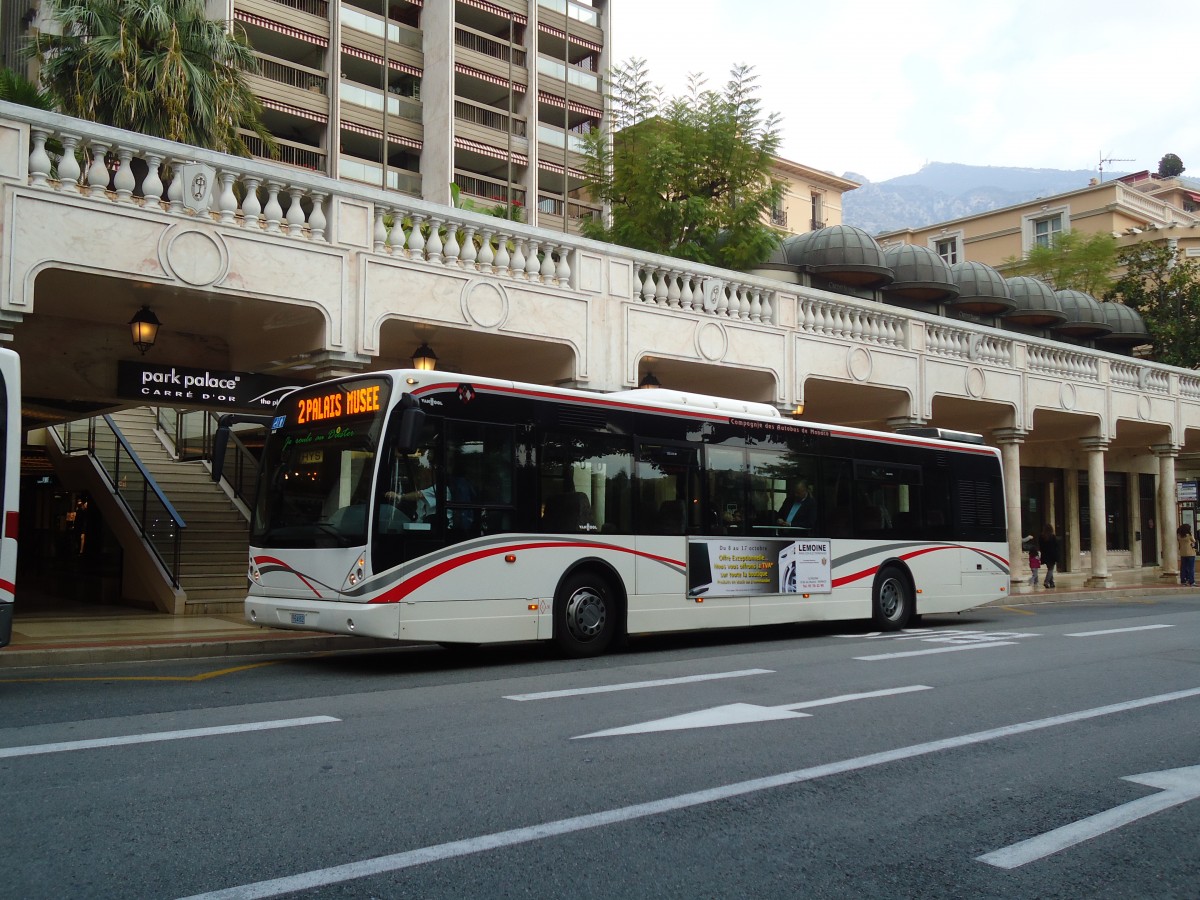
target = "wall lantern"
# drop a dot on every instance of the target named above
(649, 381)
(144, 328)
(424, 358)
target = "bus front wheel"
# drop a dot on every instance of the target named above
(585, 615)
(892, 604)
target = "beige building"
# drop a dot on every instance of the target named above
(1134, 208)
(812, 199)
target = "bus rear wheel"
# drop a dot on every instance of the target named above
(585, 616)
(892, 603)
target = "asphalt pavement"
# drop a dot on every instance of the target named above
(82, 634)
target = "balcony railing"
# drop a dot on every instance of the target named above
(487, 188)
(478, 114)
(571, 74)
(367, 172)
(555, 137)
(470, 39)
(290, 74)
(397, 104)
(312, 7)
(404, 35)
(553, 206)
(290, 153)
(576, 11)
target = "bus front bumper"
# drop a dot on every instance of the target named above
(330, 617)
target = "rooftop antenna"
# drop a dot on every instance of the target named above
(1109, 159)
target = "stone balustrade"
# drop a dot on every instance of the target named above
(832, 318)
(709, 314)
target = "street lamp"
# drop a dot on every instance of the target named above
(424, 358)
(144, 328)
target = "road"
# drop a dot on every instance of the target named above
(1050, 751)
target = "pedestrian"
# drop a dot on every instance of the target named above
(1187, 555)
(1048, 547)
(1035, 563)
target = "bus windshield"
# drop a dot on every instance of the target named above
(318, 465)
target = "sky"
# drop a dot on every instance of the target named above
(882, 88)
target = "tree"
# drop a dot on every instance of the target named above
(159, 67)
(688, 176)
(17, 89)
(1170, 166)
(1072, 261)
(1165, 289)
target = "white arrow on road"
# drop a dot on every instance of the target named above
(1178, 786)
(744, 713)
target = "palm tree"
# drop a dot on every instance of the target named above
(16, 88)
(159, 67)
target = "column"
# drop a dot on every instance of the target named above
(1069, 541)
(1095, 448)
(1009, 440)
(1167, 511)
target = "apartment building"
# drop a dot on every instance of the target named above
(491, 96)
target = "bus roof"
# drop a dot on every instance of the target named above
(668, 400)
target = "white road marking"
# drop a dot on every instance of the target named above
(63, 746)
(933, 650)
(1117, 630)
(437, 852)
(1179, 786)
(637, 685)
(743, 714)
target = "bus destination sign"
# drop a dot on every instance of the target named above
(341, 401)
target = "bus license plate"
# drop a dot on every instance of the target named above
(297, 618)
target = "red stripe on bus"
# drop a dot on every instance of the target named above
(11, 519)
(259, 560)
(410, 584)
(867, 573)
(7, 587)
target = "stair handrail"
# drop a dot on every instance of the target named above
(149, 488)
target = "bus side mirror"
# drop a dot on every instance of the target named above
(220, 443)
(225, 425)
(412, 419)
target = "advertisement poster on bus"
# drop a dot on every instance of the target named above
(728, 567)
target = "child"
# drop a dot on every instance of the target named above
(1035, 563)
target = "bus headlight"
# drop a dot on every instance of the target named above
(357, 572)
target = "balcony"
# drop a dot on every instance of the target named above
(577, 11)
(397, 105)
(319, 8)
(553, 68)
(488, 117)
(556, 137)
(302, 156)
(283, 72)
(489, 190)
(397, 33)
(478, 42)
(367, 172)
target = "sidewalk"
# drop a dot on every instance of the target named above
(79, 634)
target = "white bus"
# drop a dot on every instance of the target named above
(426, 506)
(10, 480)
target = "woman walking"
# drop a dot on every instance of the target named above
(1187, 555)
(1048, 544)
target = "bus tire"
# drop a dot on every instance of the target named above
(585, 615)
(891, 600)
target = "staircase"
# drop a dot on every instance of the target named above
(212, 568)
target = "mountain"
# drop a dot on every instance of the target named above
(943, 191)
